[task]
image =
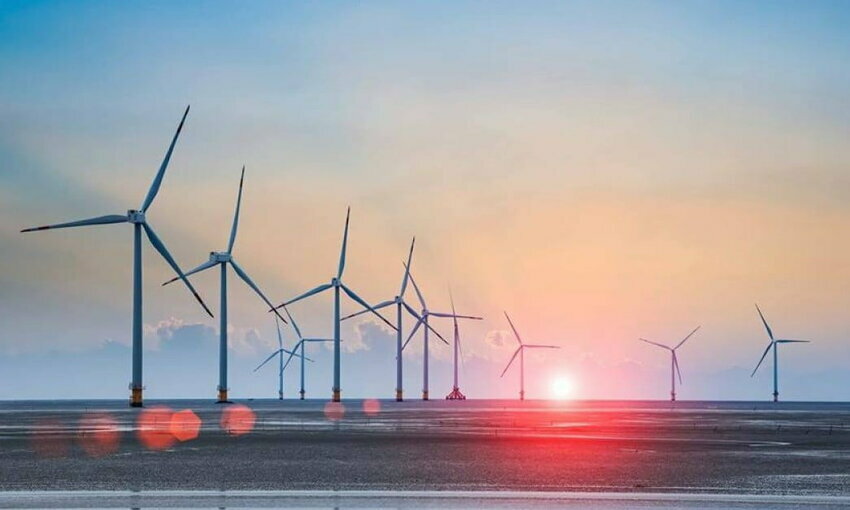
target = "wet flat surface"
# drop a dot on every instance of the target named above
(703, 448)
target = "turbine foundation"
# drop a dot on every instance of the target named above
(222, 396)
(135, 397)
(522, 395)
(456, 394)
(776, 396)
(336, 396)
(399, 396)
(424, 394)
(302, 394)
(673, 396)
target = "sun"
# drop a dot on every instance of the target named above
(561, 388)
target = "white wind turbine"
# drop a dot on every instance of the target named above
(425, 314)
(337, 284)
(222, 259)
(774, 344)
(400, 303)
(674, 362)
(281, 365)
(455, 394)
(521, 352)
(139, 221)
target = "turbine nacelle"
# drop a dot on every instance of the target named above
(135, 217)
(220, 256)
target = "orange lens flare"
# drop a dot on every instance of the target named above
(334, 411)
(98, 434)
(238, 419)
(154, 428)
(371, 407)
(185, 425)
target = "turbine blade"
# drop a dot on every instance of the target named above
(100, 220)
(344, 246)
(411, 311)
(206, 265)
(279, 334)
(769, 332)
(511, 361)
(364, 304)
(539, 346)
(416, 288)
(787, 341)
(676, 366)
(319, 340)
(407, 269)
(437, 333)
(455, 316)
(160, 247)
(413, 332)
(295, 354)
(236, 214)
(157, 181)
(251, 284)
(275, 353)
(686, 338)
(655, 343)
(294, 324)
(518, 339)
(376, 307)
(762, 358)
(307, 294)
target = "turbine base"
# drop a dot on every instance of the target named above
(337, 397)
(399, 396)
(776, 397)
(522, 395)
(302, 394)
(456, 394)
(136, 397)
(222, 397)
(672, 397)
(424, 394)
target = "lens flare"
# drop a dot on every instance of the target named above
(334, 411)
(154, 428)
(562, 388)
(238, 419)
(371, 407)
(185, 425)
(98, 434)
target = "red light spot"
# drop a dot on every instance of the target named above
(98, 434)
(371, 406)
(334, 411)
(238, 419)
(48, 439)
(185, 425)
(154, 428)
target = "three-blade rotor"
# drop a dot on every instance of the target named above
(522, 345)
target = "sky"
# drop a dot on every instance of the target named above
(602, 171)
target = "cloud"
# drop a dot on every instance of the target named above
(366, 333)
(497, 338)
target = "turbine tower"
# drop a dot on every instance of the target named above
(400, 303)
(138, 220)
(425, 314)
(774, 344)
(674, 362)
(521, 351)
(337, 284)
(222, 259)
(280, 352)
(456, 393)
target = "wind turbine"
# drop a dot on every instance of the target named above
(138, 220)
(281, 365)
(674, 362)
(302, 343)
(222, 259)
(774, 343)
(425, 314)
(456, 393)
(521, 351)
(337, 284)
(400, 303)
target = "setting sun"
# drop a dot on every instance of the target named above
(561, 388)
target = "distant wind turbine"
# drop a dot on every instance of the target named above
(139, 222)
(302, 343)
(455, 394)
(425, 314)
(337, 284)
(281, 365)
(400, 303)
(222, 259)
(674, 361)
(774, 343)
(521, 352)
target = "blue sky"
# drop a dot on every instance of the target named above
(602, 170)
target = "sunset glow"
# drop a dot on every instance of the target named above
(562, 388)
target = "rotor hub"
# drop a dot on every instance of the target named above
(134, 216)
(219, 256)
